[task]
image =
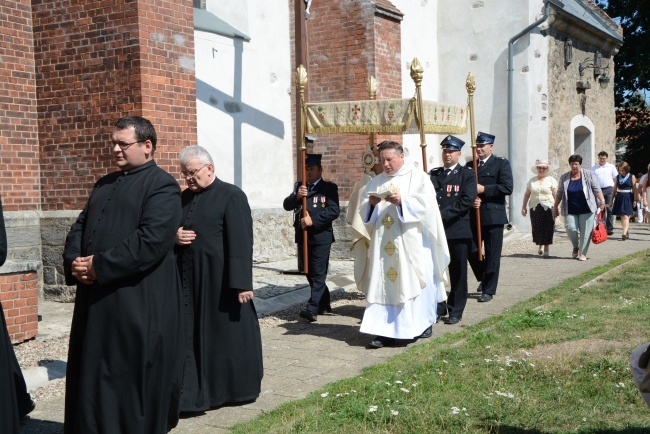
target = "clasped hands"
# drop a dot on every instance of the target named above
(83, 269)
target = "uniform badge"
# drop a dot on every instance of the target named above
(449, 191)
(322, 200)
(456, 189)
(315, 201)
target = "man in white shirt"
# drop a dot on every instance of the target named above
(606, 172)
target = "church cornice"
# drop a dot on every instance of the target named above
(605, 35)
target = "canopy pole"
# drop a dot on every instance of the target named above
(470, 85)
(368, 159)
(416, 74)
(301, 84)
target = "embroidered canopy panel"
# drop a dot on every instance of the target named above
(388, 116)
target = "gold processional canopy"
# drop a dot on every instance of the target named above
(386, 116)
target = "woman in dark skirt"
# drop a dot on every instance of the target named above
(15, 402)
(623, 195)
(541, 190)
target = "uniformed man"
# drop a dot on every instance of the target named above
(323, 208)
(494, 184)
(455, 191)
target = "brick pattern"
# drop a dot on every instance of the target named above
(99, 60)
(19, 297)
(168, 83)
(19, 179)
(348, 42)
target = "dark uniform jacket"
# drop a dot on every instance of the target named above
(323, 208)
(496, 177)
(455, 194)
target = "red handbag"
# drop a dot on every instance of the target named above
(599, 234)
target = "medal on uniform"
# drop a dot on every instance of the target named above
(322, 201)
(456, 189)
(449, 191)
(315, 201)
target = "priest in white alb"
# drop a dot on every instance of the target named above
(400, 251)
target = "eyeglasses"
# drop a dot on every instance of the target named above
(192, 173)
(122, 146)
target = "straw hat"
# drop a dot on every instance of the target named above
(539, 164)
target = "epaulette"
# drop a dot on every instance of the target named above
(437, 170)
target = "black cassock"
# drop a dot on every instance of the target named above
(124, 366)
(14, 399)
(223, 342)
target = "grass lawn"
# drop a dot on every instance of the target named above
(556, 363)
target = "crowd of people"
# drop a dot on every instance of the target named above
(409, 230)
(164, 321)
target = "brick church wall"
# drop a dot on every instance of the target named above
(348, 42)
(19, 296)
(97, 61)
(19, 171)
(19, 180)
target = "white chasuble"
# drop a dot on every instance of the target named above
(403, 270)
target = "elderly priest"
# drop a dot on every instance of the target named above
(402, 272)
(223, 345)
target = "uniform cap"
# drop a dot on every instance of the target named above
(484, 139)
(452, 143)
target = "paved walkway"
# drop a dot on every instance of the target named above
(300, 357)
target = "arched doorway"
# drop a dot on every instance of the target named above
(583, 140)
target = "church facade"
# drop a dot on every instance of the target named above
(220, 73)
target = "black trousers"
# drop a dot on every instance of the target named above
(609, 217)
(487, 270)
(319, 258)
(458, 252)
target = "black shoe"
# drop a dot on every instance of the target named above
(381, 341)
(426, 333)
(484, 298)
(311, 317)
(610, 232)
(322, 310)
(455, 319)
(480, 287)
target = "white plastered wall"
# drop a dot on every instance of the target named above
(420, 39)
(244, 101)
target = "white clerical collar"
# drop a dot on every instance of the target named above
(403, 170)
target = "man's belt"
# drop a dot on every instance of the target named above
(624, 191)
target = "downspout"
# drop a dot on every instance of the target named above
(511, 79)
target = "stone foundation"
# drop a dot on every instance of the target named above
(273, 235)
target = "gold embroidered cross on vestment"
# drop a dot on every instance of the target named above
(388, 221)
(390, 248)
(392, 274)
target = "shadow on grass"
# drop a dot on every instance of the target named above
(505, 429)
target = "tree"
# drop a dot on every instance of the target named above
(633, 60)
(632, 69)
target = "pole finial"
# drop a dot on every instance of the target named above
(417, 71)
(470, 84)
